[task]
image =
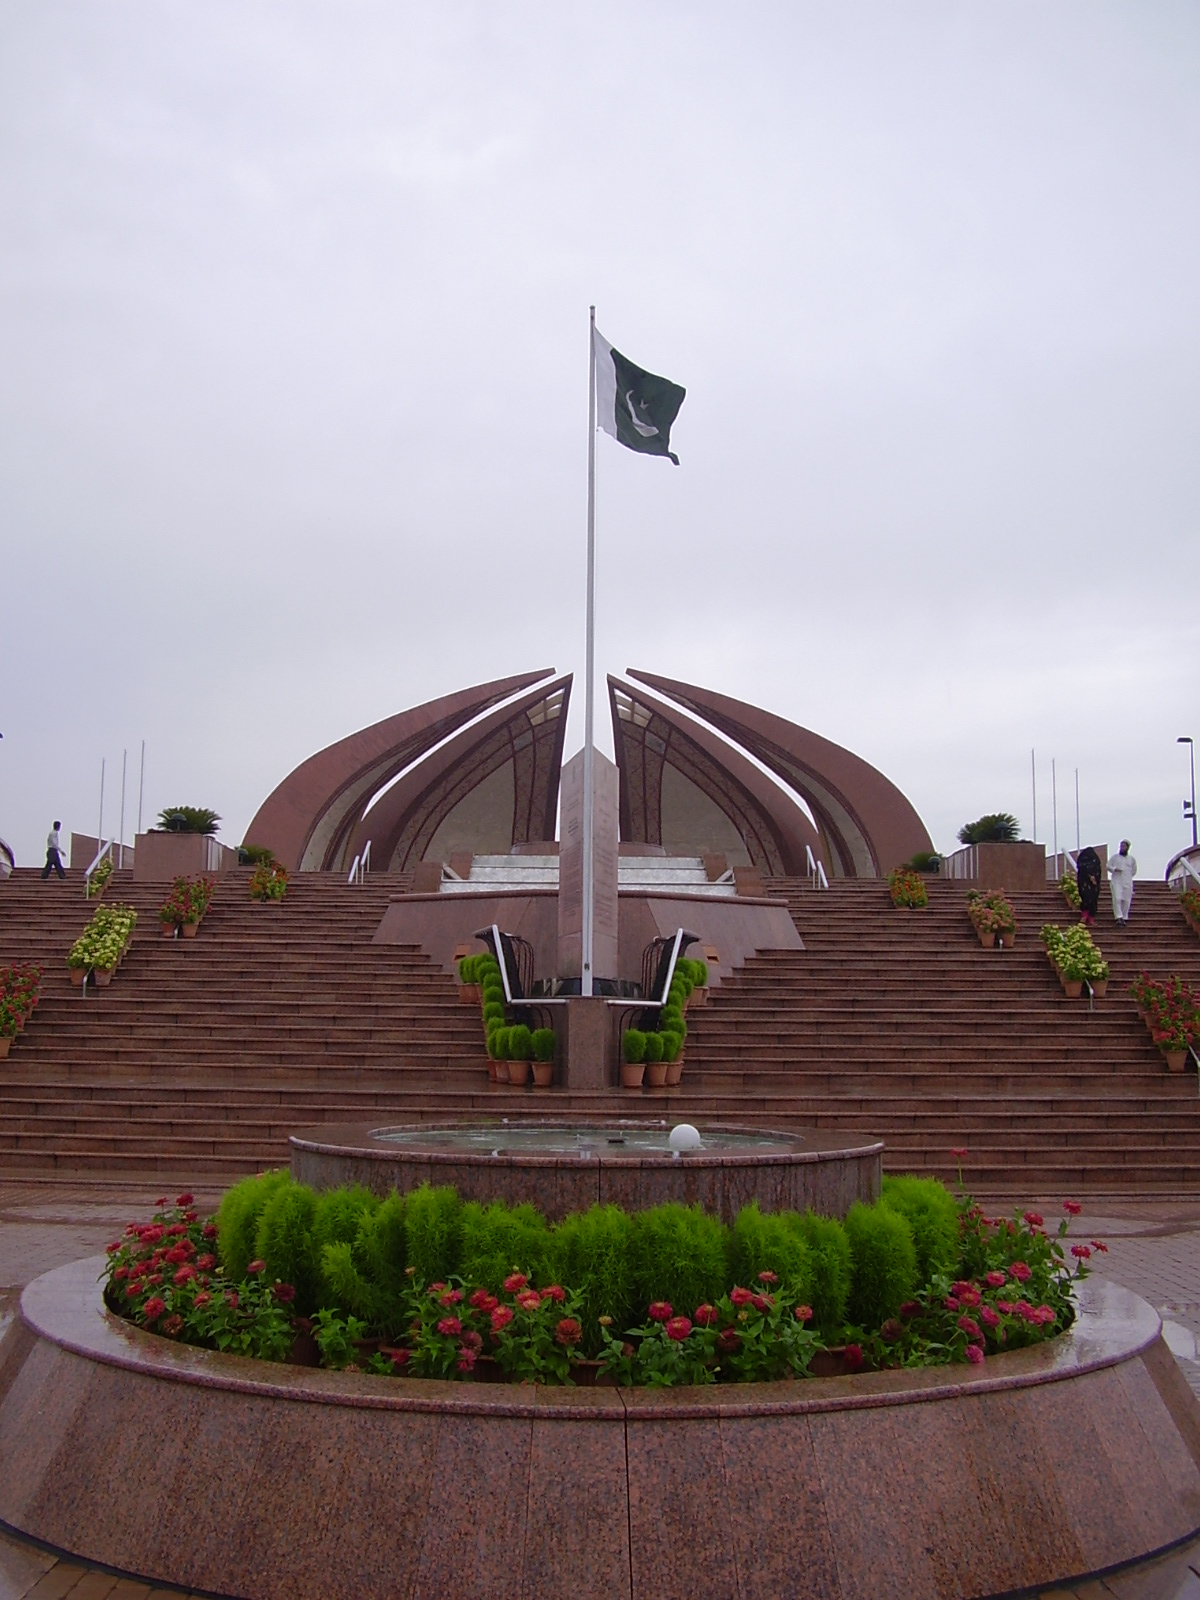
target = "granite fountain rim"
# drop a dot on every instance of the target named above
(65, 1306)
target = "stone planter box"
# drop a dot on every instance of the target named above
(163, 857)
(245, 1478)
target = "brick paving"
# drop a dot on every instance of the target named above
(1153, 1249)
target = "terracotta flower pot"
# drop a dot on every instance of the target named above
(698, 997)
(632, 1073)
(674, 1072)
(1176, 1060)
(501, 1071)
(103, 976)
(189, 930)
(468, 994)
(168, 930)
(491, 1070)
(1100, 988)
(77, 975)
(543, 1074)
(5, 1045)
(1072, 988)
(987, 937)
(1009, 939)
(656, 1074)
(518, 1072)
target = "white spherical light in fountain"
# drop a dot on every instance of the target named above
(684, 1137)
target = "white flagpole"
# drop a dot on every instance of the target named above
(585, 986)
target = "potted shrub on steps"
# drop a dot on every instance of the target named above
(656, 1062)
(633, 1057)
(497, 1045)
(542, 1040)
(520, 1053)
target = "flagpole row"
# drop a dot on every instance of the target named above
(586, 973)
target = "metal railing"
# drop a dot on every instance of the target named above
(961, 864)
(1183, 867)
(1058, 865)
(361, 865)
(103, 854)
(816, 870)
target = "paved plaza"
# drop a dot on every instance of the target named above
(1153, 1249)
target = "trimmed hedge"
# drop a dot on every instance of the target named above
(678, 1254)
(932, 1214)
(885, 1263)
(592, 1253)
(771, 1243)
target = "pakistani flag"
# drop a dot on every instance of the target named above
(636, 407)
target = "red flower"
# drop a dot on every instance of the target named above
(910, 1308)
(706, 1315)
(449, 1326)
(451, 1297)
(975, 1354)
(1072, 1207)
(207, 1262)
(501, 1317)
(284, 1292)
(738, 1297)
(767, 1277)
(175, 1256)
(154, 1308)
(660, 1311)
(1005, 1306)
(172, 1326)
(256, 1266)
(529, 1300)
(950, 1303)
(970, 1327)
(762, 1302)
(400, 1358)
(1098, 1244)
(202, 1299)
(111, 1249)
(231, 1299)
(853, 1357)
(1044, 1314)
(892, 1330)
(988, 1317)
(1020, 1272)
(483, 1301)
(1081, 1252)
(958, 1152)
(1035, 1219)
(184, 1199)
(120, 1274)
(804, 1313)
(152, 1234)
(161, 1201)
(472, 1340)
(210, 1231)
(516, 1281)
(1025, 1311)
(569, 1331)
(184, 1275)
(728, 1340)
(996, 1280)
(555, 1293)
(176, 1229)
(677, 1328)
(970, 1297)
(466, 1359)
(154, 1277)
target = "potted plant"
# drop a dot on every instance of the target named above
(497, 1048)
(542, 1040)
(907, 889)
(633, 1057)
(656, 1060)
(673, 1054)
(268, 883)
(520, 1053)
(1070, 890)
(468, 981)
(1189, 904)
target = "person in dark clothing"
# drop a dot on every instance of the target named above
(53, 854)
(1088, 875)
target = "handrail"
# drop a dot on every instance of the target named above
(1187, 866)
(361, 865)
(816, 870)
(105, 850)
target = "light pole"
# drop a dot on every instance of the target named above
(1189, 808)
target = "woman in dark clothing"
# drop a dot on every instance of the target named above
(1087, 876)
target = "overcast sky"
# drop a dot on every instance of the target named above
(293, 383)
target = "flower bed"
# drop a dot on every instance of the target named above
(424, 1285)
(1171, 1012)
(908, 889)
(20, 988)
(103, 942)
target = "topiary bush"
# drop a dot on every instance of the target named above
(885, 1263)
(678, 1254)
(368, 1277)
(771, 1243)
(592, 1253)
(498, 1240)
(498, 1044)
(543, 1044)
(285, 1242)
(832, 1267)
(433, 1236)
(672, 1044)
(654, 1047)
(520, 1043)
(932, 1214)
(633, 1046)
(237, 1220)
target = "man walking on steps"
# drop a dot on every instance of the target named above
(1122, 870)
(53, 854)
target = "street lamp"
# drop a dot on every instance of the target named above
(1189, 808)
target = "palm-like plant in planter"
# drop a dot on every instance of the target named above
(997, 827)
(188, 819)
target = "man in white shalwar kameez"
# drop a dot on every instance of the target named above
(1122, 869)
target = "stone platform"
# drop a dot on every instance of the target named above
(486, 1159)
(263, 1481)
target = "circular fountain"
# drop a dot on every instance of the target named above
(562, 1166)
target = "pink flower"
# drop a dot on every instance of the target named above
(706, 1315)
(1035, 1219)
(970, 1297)
(255, 1266)
(996, 1280)
(677, 1328)
(804, 1313)
(400, 1358)
(184, 1199)
(911, 1308)
(1072, 1207)
(472, 1340)
(988, 1317)
(569, 1331)
(1020, 1272)
(853, 1357)
(1081, 1252)
(183, 1276)
(950, 1303)
(451, 1297)
(975, 1354)
(202, 1299)
(970, 1327)
(740, 1297)
(466, 1360)
(728, 1340)
(501, 1317)
(529, 1300)
(660, 1311)
(1004, 1305)
(449, 1326)
(957, 1151)
(284, 1292)
(762, 1302)
(767, 1277)
(1098, 1244)
(555, 1293)
(515, 1281)
(1025, 1311)
(483, 1301)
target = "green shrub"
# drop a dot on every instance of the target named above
(493, 1012)
(285, 1243)
(678, 1253)
(654, 1047)
(999, 827)
(520, 1043)
(633, 1046)
(498, 1239)
(592, 1254)
(932, 1214)
(885, 1263)
(367, 1278)
(433, 1238)
(543, 1044)
(672, 1044)
(237, 1220)
(771, 1243)
(498, 1044)
(832, 1268)
(337, 1217)
(188, 819)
